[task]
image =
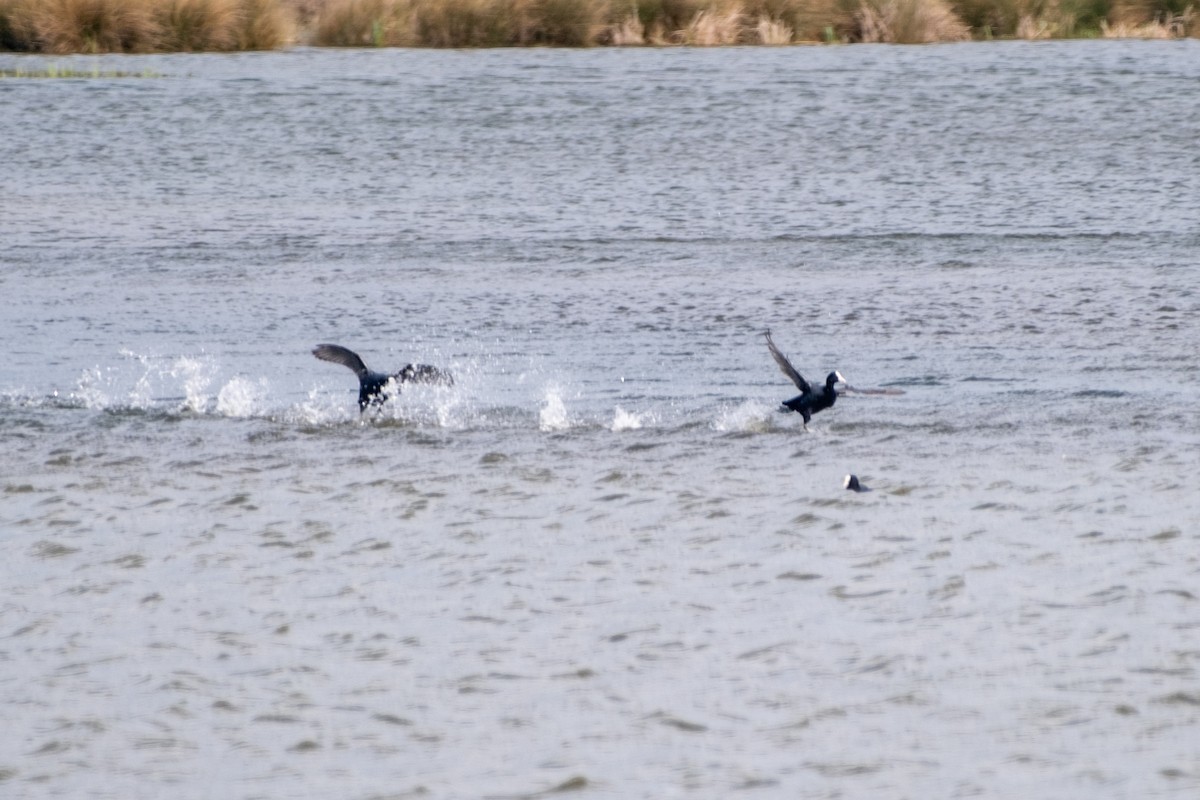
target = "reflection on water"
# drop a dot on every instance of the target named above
(603, 561)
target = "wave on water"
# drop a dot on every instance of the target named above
(200, 385)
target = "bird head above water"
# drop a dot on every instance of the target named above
(852, 483)
(833, 378)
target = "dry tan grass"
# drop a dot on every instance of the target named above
(1030, 27)
(66, 26)
(1151, 19)
(667, 21)
(910, 22)
(364, 23)
(713, 27)
(990, 18)
(1188, 23)
(1125, 30)
(626, 32)
(138, 26)
(303, 12)
(1173, 28)
(265, 25)
(92, 26)
(460, 23)
(197, 24)
(564, 23)
(809, 20)
(773, 32)
(1049, 19)
(16, 25)
(722, 22)
(463, 23)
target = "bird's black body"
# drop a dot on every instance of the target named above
(371, 385)
(811, 399)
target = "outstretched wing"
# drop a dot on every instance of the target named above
(786, 366)
(340, 355)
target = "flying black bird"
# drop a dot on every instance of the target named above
(371, 385)
(810, 400)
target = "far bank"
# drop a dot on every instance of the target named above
(142, 26)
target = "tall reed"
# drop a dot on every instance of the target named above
(88, 26)
(1154, 19)
(466, 23)
(197, 25)
(773, 32)
(910, 22)
(713, 27)
(459, 23)
(718, 22)
(265, 25)
(810, 20)
(569, 23)
(992, 18)
(353, 23)
(139, 26)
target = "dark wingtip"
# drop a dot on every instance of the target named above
(337, 354)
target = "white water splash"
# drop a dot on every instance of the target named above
(89, 390)
(626, 420)
(142, 382)
(197, 375)
(749, 416)
(319, 409)
(242, 397)
(103, 388)
(553, 416)
(449, 408)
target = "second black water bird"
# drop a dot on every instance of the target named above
(811, 399)
(371, 385)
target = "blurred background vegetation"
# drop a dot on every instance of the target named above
(140, 26)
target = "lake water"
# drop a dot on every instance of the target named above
(603, 562)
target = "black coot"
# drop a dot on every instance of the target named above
(371, 384)
(810, 400)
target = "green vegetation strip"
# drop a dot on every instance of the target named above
(56, 71)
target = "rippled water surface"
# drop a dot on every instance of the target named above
(603, 562)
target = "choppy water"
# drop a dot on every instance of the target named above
(603, 562)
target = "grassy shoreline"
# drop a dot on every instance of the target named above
(143, 26)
